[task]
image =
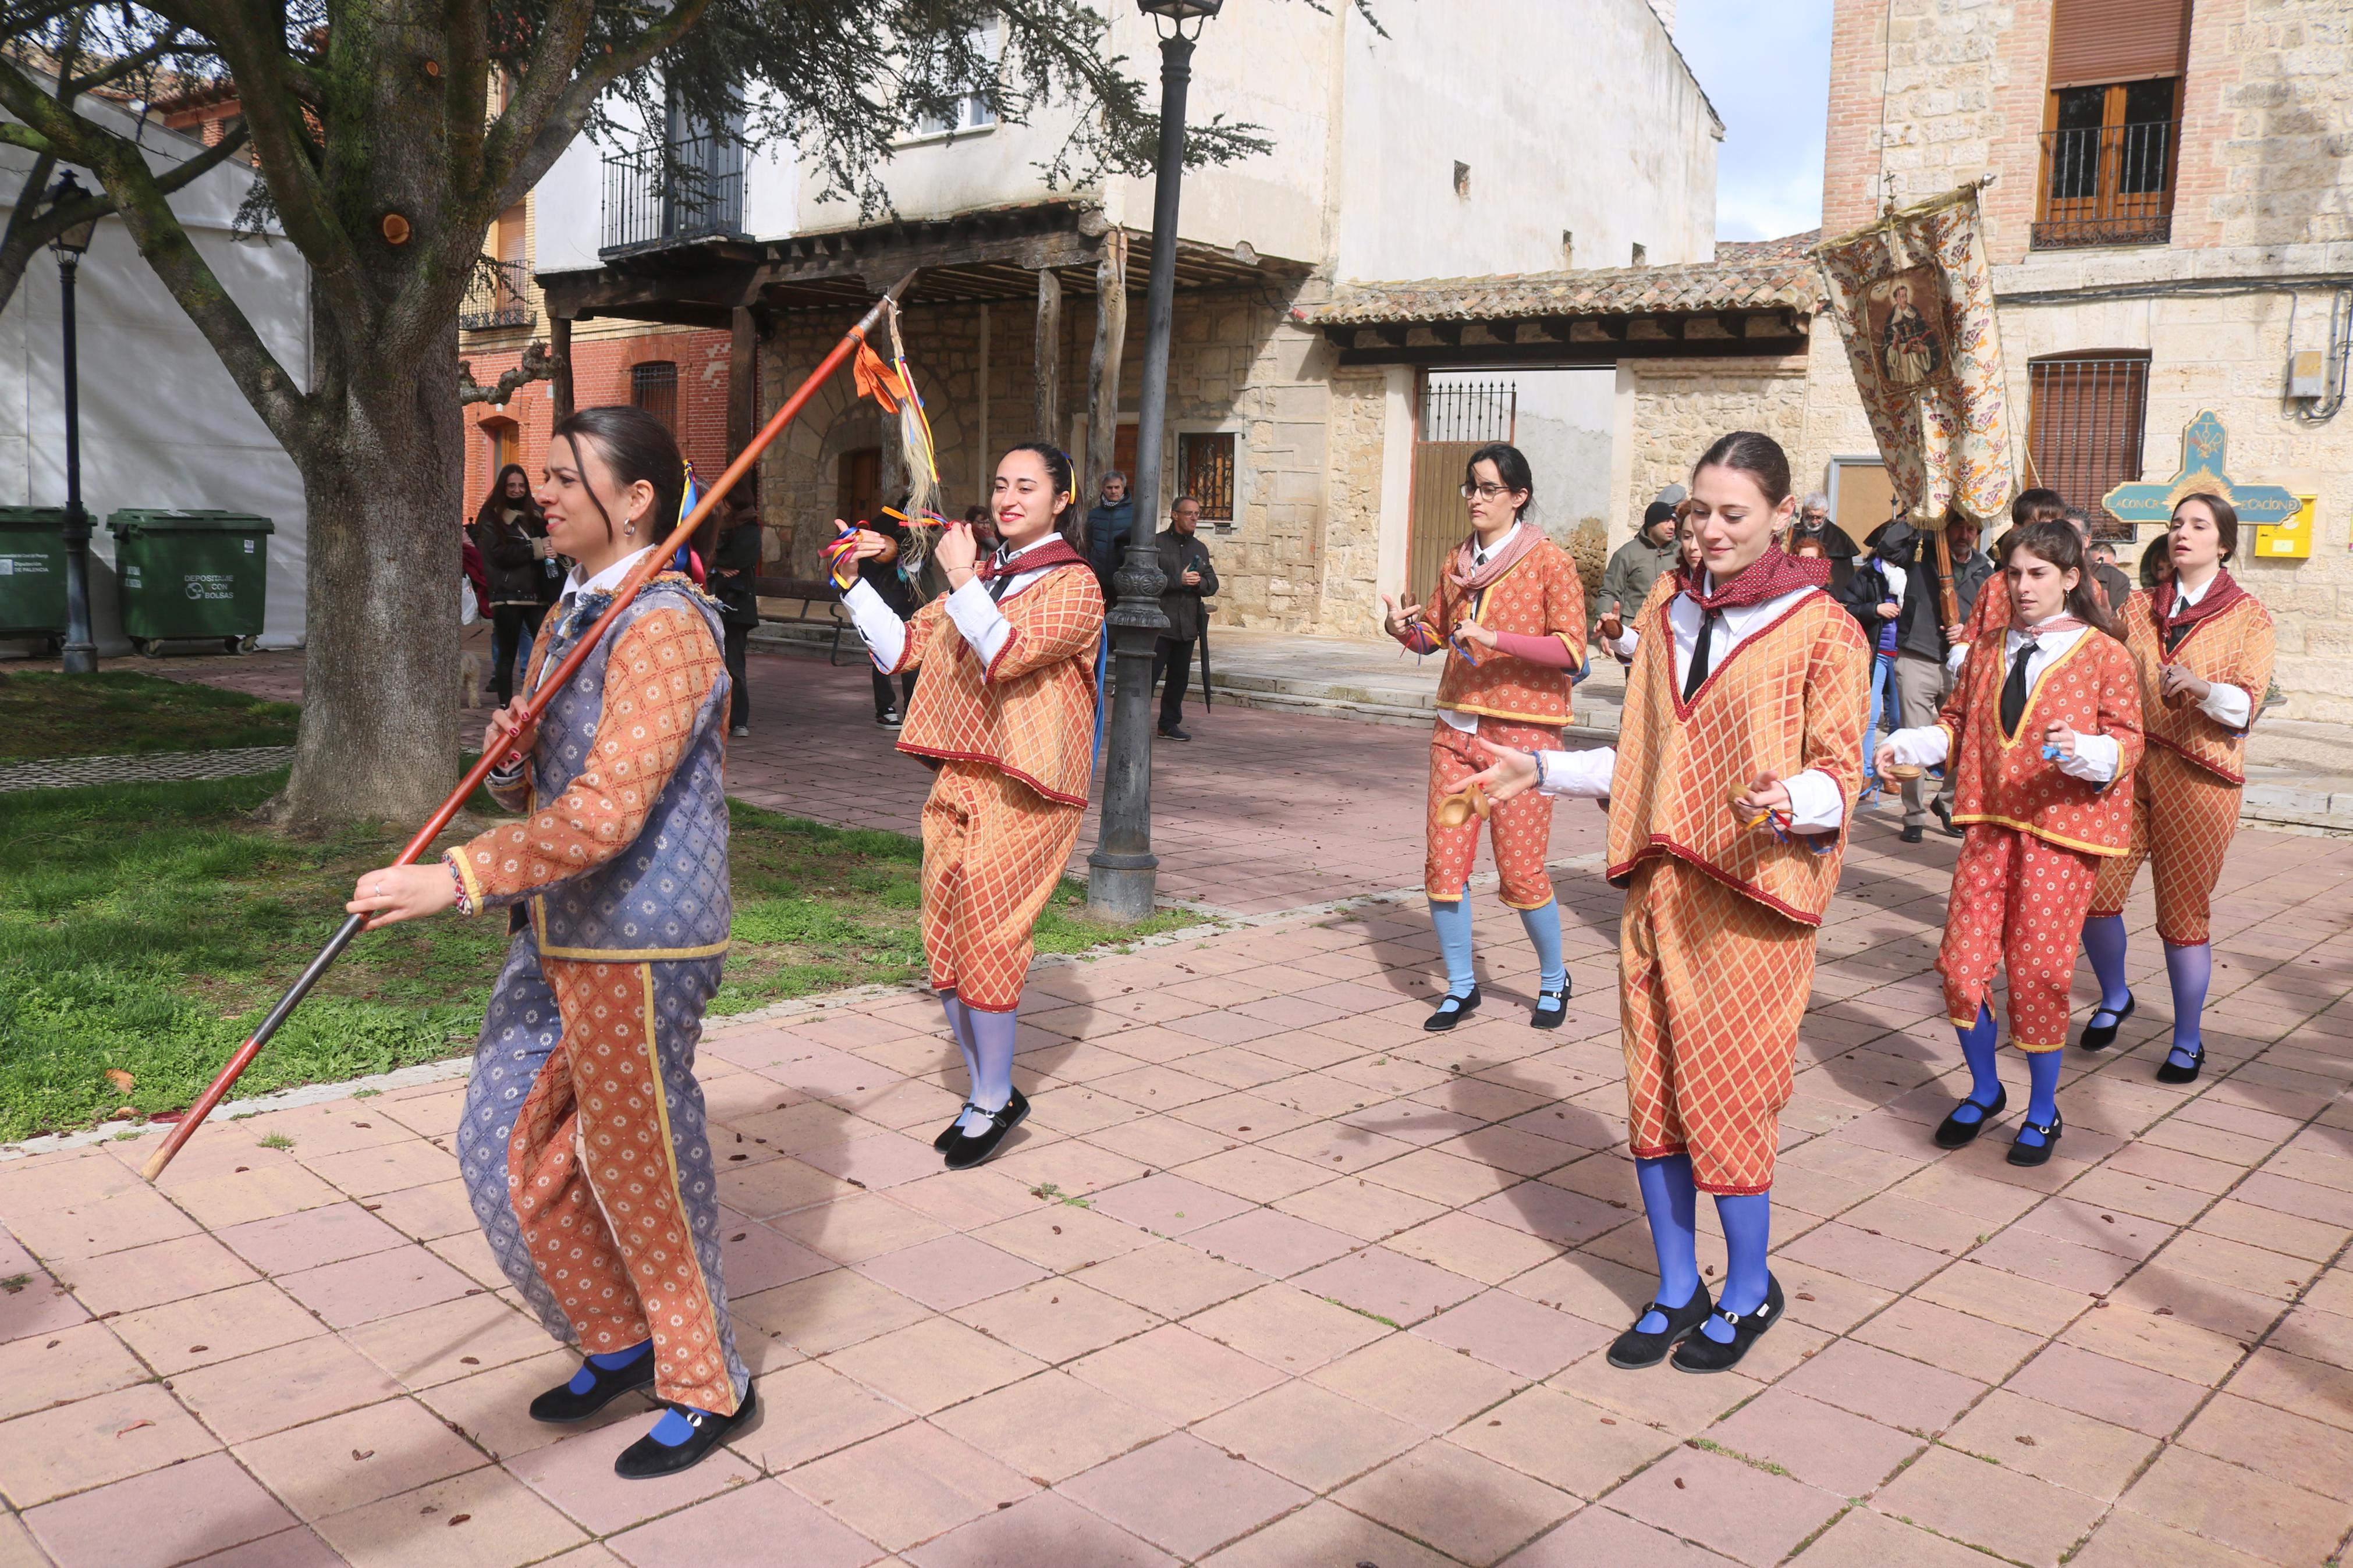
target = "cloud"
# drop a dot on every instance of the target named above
(1766, 65)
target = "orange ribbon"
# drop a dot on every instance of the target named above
(877, 380)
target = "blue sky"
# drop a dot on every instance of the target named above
(1766, 65)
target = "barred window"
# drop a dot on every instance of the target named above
(1205, 470)
(653, 386)
(2086, 417)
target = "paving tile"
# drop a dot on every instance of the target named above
(1725, 1506)
(2094, 1457)
(1308, 1434)
(163, 1517)
(853, 1229)
(1885, 1388)
(1052, 1426)
(93, 1441)
(2006, 1514)
(302, 1548)
(1183, 1495)
(930, 1365)
(1170, 1278)
(1388, 1285)
(2004, 1298)
(1680, 1405)
(1421, 1494)
(358, 1458)
(1064, 1237)
(360, 1290)
(426, 1213)
(1169, 1205)
(1862, 1538)
(1175, 1373)
(491, 1408)
(1819, 1444)
(42, 1370)
(2306, 1453)
(2130, 1540)
(1324, 1532)
(950, 1271)
(452, 1339)
(1039, 1530)
(1057, 1319)
(1417, 1382)
(1285, 1328)
(258, 1395)
(1516, 1333)
(2107, 1390)
(1956, 1341)
(1564, 1441)
(2239, 1507)
(308, 1238)
(826, 1311)
(908, 1485)
(576, 1474)
(149, 1276)
(484, 1518)
(1604, 1535)
(1274, 1244)
(762, 1522)
(1476, 1248)
(218, 1327)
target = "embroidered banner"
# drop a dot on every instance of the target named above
(1914, 299)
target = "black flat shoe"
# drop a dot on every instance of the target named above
(2100, 1036)
(1173, 733)
(646, 1460)
(1944, 819)
(1912, 835)
(1634, 1350)
(1451, 1010)
(2038, 1154)
(1552, 1006)
(971, 1148)
(559, 1405)
(952, 1130)
(1953, 1133)
(1700, 1353)
(2168, 1073)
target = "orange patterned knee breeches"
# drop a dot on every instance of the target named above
(993, 851)
(2182, 823)
(1712, 986)
(1520, 829)
(2018, 904)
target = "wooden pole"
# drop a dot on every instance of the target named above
(1050, 355)
(1948, 603)
(1111, 344)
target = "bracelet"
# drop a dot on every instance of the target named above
(465, 900)
(1540, 772)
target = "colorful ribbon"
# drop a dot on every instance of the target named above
(839, 557)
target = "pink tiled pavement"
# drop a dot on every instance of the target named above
(1272, 1277)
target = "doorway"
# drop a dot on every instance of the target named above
(857, 485)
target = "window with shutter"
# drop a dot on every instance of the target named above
(653, 386)
(2086, 416)
(2111, 134)
(1205, 470)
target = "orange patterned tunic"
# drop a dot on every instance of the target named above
(1788, 699)
(2004, 779)
(2232, 647)
(1539, 597)
(1031, 711)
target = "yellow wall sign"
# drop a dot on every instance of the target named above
(2291, 538)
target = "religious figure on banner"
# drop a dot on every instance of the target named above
(1911, 348)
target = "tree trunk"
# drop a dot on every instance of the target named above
(383, 483)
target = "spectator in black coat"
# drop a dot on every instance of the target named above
(1185, 567)
(882, 573)
(524, 575)
(1107, 527)
(734, 578)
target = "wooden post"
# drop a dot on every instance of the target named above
(1948, 603)
(559, 332)
(743, 380)
(1110, 342)
(1050, 353)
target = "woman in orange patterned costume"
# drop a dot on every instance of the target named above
(1006, 712)
(583, 1143)
(1510, 613)
(1739, 762)
(2043, 731)
(2202, 645)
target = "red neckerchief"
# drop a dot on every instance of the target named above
(1770, 575)
(2221, 593)
(1471, 579)
(1056, 551)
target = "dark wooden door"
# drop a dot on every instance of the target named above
(859, 485)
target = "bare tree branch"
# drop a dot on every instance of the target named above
(536, 365)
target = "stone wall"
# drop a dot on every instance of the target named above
(1680, 407)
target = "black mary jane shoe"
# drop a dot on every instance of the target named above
(559, 1406)
(1700, 1353)
(646, 1460)
(2167, 1072)
(2100, 1036)
(1552, 1006)
(1634, 1350)
(1955, 1133)
(2030, 1155)
(952, 1130)
(971, 1148)
(1451, 1010)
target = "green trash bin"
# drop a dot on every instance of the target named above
(33, 574)
(191, 575)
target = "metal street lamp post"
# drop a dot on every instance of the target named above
(81, 646)
(1121, 864)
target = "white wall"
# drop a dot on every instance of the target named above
(568, 203)
(162, 423)
(1579, 116)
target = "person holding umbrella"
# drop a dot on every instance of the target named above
(1185, 567)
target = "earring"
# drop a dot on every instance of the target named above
(629, 529)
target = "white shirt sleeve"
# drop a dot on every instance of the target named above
(1816, 806)
(1622, 646)
(884, 634)
(1921, 748)
(1958, 657)
(2094, 760)
(2227, 706)
(1580, 775)
(984, 625)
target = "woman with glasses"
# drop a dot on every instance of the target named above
(1509, 615)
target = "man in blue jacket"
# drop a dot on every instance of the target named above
(1107, 527)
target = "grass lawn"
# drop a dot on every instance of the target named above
(145, 928)
(44, 714)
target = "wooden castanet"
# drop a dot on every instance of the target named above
(1458, 809)
(1901, 772)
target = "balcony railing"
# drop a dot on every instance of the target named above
(2108, 185)
(497, 297)
(693, 192)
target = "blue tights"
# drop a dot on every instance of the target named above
(1670, 1202)
(1979, 1048)
(2187, 970)
(672, 1428)
(1452, 921)
(1543, 926)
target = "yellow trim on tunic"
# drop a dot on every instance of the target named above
(466, 877)
(2006, 740)
(615, 954)
(677, 1196)
(1539, 720)
(2044, 834)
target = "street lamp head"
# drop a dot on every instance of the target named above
(73, 241)
(1179, 12)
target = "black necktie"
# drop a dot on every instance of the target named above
(2013, 691)
(1698, 676)
(1002, 581)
